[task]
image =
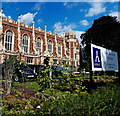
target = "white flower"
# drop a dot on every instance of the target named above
(38, 107)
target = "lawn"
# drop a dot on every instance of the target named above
(32, 85)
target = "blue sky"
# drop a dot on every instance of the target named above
(64, 16)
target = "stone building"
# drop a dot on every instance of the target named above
(33, 45)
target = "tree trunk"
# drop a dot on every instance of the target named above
(9, 86)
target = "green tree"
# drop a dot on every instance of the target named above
(104, 32)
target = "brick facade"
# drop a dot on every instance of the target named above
(70, 47)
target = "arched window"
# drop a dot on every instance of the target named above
(38, 45)
(59, 49)
(25, 43)
(50, 46)
(8, 40)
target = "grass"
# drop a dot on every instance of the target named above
(34, 85)
(31, 85)
(80, 76)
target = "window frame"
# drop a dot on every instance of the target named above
(50, 44)
(30, 60)
(7, 42)
(39, 48)
(59, 45)
(24, 45)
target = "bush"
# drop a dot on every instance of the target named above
(64, 95)
(104, 101)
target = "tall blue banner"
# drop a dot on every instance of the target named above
(97, 58)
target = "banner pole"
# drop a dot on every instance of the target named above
(91, 73)
(118, 66)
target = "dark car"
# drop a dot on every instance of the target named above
(54, 71)
(60, 71)
(22, 71)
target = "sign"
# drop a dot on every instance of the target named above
(103, 59)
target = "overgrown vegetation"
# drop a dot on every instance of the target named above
(102, 101)
(66, 96)
(63, 95)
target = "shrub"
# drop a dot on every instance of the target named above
(104, 101)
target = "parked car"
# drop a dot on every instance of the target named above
(22, 71)
(60, 71)
(55, 71)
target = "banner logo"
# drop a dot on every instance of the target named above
(97, 58)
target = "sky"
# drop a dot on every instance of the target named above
(62, 16)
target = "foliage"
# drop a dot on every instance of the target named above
(70, 101)
(44, 80)
(20, 107)
(62, 95)
(104, 32)
(104, 101)
(63, 82)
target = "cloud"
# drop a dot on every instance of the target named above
(114, 0)
(60, 28)
(84, 22)
(69, 27)
(10, 0)
(40, 20)
(81, 10)
(96, 9)
(102, 0)
(38, 6)
(60, 0)
(27, 18)
(70, 5)
(115, 14)
(17, 8)
(66, 18)
(78, 34)
(9, 17)
(3, 15)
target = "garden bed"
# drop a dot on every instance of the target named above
(25, 99)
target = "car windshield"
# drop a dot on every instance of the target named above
(27, 70)
(62, 69)
(24, 68)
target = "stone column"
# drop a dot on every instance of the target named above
(74, 57)
(46, 39)
(33, 34)
(42, 60)
(56, 42)
(1, 36)
(1, 29)
(69, 53)
(65, 47)
(19, 36)
(78, 57)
